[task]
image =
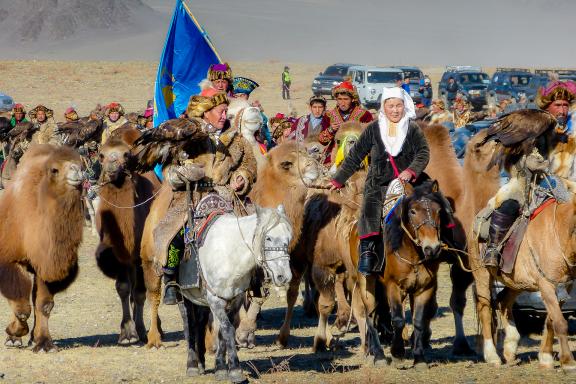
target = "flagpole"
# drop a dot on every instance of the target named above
(204, 33)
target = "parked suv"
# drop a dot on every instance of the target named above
(370, 81)
(472, 82)
(333, 75)
(416, 76)
(511, 83)
(6, 103)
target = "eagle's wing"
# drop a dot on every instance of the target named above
(516, 134)
(23, 130)
(76, 133)
(164, 143)
(5, 128)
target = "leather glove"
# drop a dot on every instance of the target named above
(535, 162)
(190, 172)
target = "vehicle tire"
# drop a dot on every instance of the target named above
(527, 324)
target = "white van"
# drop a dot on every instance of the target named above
(370, 81)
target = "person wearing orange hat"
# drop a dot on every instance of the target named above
(347, 109)
(113, 119)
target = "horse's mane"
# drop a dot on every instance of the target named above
(394, 231)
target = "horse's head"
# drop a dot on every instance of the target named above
(419, 218)
(273, 234)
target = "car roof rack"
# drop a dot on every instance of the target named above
(463, 68)
(507, 69)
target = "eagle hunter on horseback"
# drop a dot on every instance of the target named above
(525, 141)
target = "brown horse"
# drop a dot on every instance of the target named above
(545, 262)
(412, 250)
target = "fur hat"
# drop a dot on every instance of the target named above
(198, 105)
(49, 113)
(114, 107)
(244, 85)
(347, 88)
(71, 114)
(317, 99)
(220, 71)
(18, 108)
(556, 90)
(439, 103)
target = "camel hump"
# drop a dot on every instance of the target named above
(126, 134)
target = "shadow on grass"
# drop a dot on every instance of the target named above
(109, 340)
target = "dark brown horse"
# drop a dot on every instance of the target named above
(412, 247)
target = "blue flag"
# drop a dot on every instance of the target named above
(185, 60)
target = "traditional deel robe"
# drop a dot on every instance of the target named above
(45, 133)
(110, 126)
(224, 158)
(301, 128)
(328, 134)
(383, 168)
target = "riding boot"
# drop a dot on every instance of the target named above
(371, 255)
(171, 292)
(499, 226)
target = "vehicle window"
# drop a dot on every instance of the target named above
(413, 75)
(495, 79)
(474, 78)
(7, 101)
(520, 80)
(383, 77)
(335, 71)
(359, 77)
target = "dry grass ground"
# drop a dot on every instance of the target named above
(85, 320)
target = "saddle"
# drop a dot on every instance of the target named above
(547, 192)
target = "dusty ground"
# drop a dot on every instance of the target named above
(86, 317)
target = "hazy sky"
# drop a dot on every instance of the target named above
(421, 32)
(488, 32)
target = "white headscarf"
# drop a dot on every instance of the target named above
(394, 144)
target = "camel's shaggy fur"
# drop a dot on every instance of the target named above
(40, 231)
(125, 199)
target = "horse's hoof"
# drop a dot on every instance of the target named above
(545, 360)
(381, 361)
(236, 376)
(251, 346)
(221, 374)
(194, 371)
(45, 345)
(569, 367)
(13, 342)
(513, 363)
(461, 348)
(421, 366)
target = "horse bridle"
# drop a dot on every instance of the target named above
(427, 220)
(261, 259)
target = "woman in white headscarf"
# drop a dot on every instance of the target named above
(398, 150)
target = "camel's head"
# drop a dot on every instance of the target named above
(64, 169)
(478, 156)
(115, 157)
(251, 121)
(290, 162)
(275, 234)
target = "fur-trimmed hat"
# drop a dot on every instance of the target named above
(49, 113)
(114, 107)
(439, 103)
(556, 90)
(347, 88)
(198, 105)
(71, 114)
(317, 99)
(283, 124)
(18, 108)
(220, 71)
(244, 85)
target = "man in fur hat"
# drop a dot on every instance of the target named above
(347, 109)
(243, 88)
(113, 119)
(18, 115)
(221, 164)
(219, 80)
(43, 119)
(548, 139)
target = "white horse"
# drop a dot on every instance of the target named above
(232, 250)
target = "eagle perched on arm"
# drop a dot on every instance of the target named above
(519, 132)
(165, 143)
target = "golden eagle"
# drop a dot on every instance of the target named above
(518, 132)
(76, 133)
(165, 143)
